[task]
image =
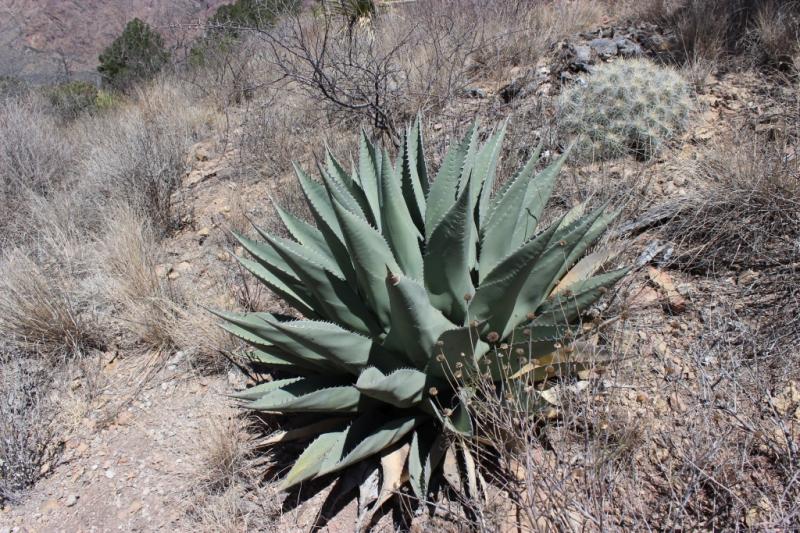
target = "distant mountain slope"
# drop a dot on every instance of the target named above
(43, 40)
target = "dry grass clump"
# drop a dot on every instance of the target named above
(34, 156)
(760, 32)
(40, 309)
(27, 432)
(137, 156)
(144, 303)
(227, 495)
(747, 215)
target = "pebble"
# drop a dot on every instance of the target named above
(71, 500)
(110, 473)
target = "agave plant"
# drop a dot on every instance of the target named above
(411, 288)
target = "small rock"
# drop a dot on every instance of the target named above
(627, 48)
(71, 500)
(45, 468)
(583, 53)
(49, 505)
(110, 473)
(204, 232)
(201, 154)
(677, 403)
(135, 507)
(173, 275)
(605, 48)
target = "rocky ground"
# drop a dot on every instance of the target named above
(130, 461)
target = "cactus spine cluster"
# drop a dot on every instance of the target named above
(626, 106)
(410, 290)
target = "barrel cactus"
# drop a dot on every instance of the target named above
(410, 291)
(627, 106)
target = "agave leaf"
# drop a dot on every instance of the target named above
(586, 267)
(304, 233)
(302, 432)
(371, 257)
(275, 358)
(533, 160)
(418, 154)
(414, 189)
(568, 305)
(304, 304)
(589, 238)
(416, 324)
(444, 188)
(539, 190)
(495, 300)
(340, 194)
(460, 349)
(498, 231)
(337, 171)
(469, 165)
(256, 392)
(348, 350)
(313, 459)
(363, 440)
(263, 327)
(485, 171)
(299, 398)
(369, 174)
(447, 262)
(277, 274)
(338, 302)
(404, 387)
(319, 202)
(398, 226)
(305, 252)
(544, 274)
(457, 420)
(427, 451)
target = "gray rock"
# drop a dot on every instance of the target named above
(605, 48)
(583, 54)
(71, 500)
(628, 48)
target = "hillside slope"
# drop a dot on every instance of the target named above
(40, 40)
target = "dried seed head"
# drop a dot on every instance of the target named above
(569, 349)
(504, 346)
(562, 243)
(459, 364)
(531, 315)
(440, 358)
(393, 278)
(493, 337)
(519, 351)
(603, 290)
(467, 297)
(462, 354)
(433, 391)
(447, 412)
(550, 370)
(557, 346)
(473, 323)
(439, 343)
(526, 332)
(458, 374)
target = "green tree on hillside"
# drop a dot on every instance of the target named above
(137, 54)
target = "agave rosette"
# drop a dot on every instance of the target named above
(409, 288)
